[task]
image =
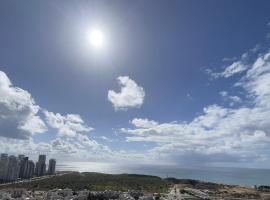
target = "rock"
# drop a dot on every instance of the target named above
(126, 196)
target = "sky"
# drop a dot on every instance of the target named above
(179, 83)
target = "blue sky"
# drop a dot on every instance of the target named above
(178, 82)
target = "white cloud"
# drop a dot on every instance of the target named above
(68, 125)
(27, 147)
(20, 120)
(130, 95)
(18, 111)
(238, 66)
(143, 123)
(80, 148)
(223, 93)
(220, 134)
(106, 139)
(233, 99)
(234, 68)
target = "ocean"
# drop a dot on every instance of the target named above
(226, 175)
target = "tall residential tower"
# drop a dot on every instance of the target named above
(51, 168)
(41, 165)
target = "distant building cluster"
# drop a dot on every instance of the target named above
(12, 167)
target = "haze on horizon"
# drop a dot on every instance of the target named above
(179, 83)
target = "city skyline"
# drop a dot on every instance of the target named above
(17, 167)
(185, 83)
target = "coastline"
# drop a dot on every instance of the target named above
(228, 175)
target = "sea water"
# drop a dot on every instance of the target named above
(226, 175)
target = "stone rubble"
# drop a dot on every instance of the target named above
(68, 194)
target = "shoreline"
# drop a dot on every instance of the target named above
(226, 175)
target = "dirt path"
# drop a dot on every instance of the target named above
(175, 194)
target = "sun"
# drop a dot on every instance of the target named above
(96, 38)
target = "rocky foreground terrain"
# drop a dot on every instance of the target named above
(192, 189)
(68, 194)
(185, 190)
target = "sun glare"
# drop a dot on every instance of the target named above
(96, 38)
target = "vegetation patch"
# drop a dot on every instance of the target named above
(97, 182)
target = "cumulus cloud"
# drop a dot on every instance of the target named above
(232, 99)
(21, 118)
(68, 125)
(76, 148)
(239, 134)
(83, 148)
(28, 147)
(143, 123)
(130, 95)
(18, 111)
(257, 81)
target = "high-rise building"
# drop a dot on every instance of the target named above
(21, 160)
(36, 168)
(51, 168)
(25, 163)
(4, 156)
(27, 167)
(13, 168)
(21, 157)
(3, 166)
(31, 169)
(41, 165)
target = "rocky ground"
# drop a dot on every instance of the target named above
(177, 192)
(180, 189)
(68, 194)
(190, 189)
